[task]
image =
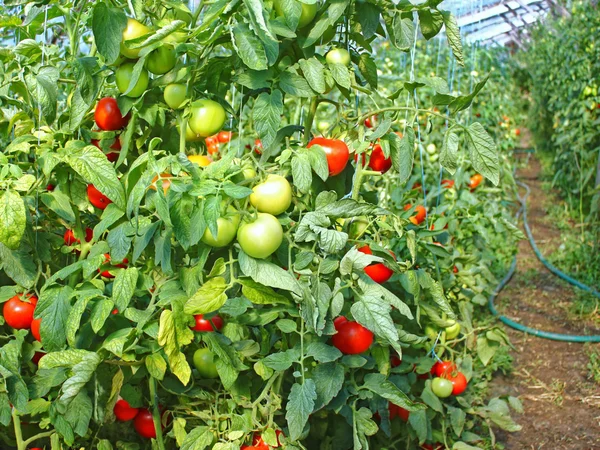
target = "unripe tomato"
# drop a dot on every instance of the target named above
(144, 424)
(357, 227)
(378, 272)
(134, 29)
(273, 196)
(116, 145)
(448, 184)
(190, 136)
(224, 137)
(204, 360)
(441, 387)
(35, 329)
(161, 60)
(336, 151)
(338, 56)
(226, 229)
(124, 412)
(378, 161)
(175, 95)
(203, 324)
(123, 76)
(419, 217)
(431, 149)
(108, 116)
(475, 181)
(431, 332)
(453, 330)
(207, 117)
(352, 338)
(459, 383)
(201, 160)
(440, 369)
(18, 313)
(306, 16)
(97, 198)
(262, 237)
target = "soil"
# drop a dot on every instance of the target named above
(561, 400)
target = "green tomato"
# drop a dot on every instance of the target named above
(207, 118)
(123, 75)
(338, 56)
(431, 149)
(134, 29)
(175, 95)
(204, 360)
(431, 332)
(226, 229)
(441, 387)
(453, 330)
(357, 227)
(161, 60)
(306, 16)
(262, 237)
(272, 196)
(190, 136)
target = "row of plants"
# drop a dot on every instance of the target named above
(187, 262)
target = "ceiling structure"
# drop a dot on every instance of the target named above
(499, 22)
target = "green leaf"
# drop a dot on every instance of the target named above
(368, 69)
(108, 25)
(293, 84)
(431, 22)
(329, 379)
(453, 36)
(249, 47)
(341, 75)
(318, 161)
(314, 72)
(377, 383)
(268, 274)
(436, 292)
(174, 333)
(261, 295)
(449, 152)
(301, 172)
(12, 219)
(457, 419)
(91, 164)
(210, 297)
(79, 413)
(124, 287)
(301, 403)
(53, 308)
(322, 352)
(100, 313)
(486, 349)
(282, 360)
(19, 265)
(44, 89)
(266, 115)
(403, 36)
(59, 203)
(482, 149)
(156, 366)
(430, 398)
(371, 313)
(198, 439)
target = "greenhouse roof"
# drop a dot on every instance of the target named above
(497, 21)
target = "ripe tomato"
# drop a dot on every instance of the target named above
(224, 137)
(339, 321)
(259, 444)
(417, 186)
(419, 217)
(108, 116)
(201, 160)
(50, 187)
(475, 181)
(352, 338)
(227, 225)
(378, 161)
(35, 329)
(124, 412)
(114, 312)
(262, 237)
(432, 447)
(455, 269)
(517, 132)
(338, 56)
(441, 387)
(18, 313)
(306, 16)
(97, 198)
(459, 382)
(204, 360)
(144, 424)
(165, 182)
(161, 60)
(203, 324)
(207, 117)
(116, 145)
(370, 122)
(69, 237)
(398, 411)
(258, 147)
(378, 272)
(212, 141)
(395, 360)
(123, 76)
(337, 153)
(175, 95)
(273, 196)
(448, 184)
(453, 330)
(440, 369)
(133, 30)
(36, 357)
(106, 273)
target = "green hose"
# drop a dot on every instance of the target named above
(554, 270)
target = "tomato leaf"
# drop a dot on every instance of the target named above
(329, 379)
(431, 22)
(368, 69)
(108, 25)
(483, 151)
(301, 172)
(210, 297)
(453, 37)
(173, 333)
(124, 287)
(266, 114)
(293, 84)
(372, 313)
(301, 403)
(249, 47)
(322, 352)
(12, 219)
(314, 72)
(282, 360)
(261, 295)
(53, 308)
(448, 153)
(268, 274)
(156, 366)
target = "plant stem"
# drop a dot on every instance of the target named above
(36, 437)
(18, 432)
(156, 414)
(310, 117)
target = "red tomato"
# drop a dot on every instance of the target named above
(212, 140)
(395, 360)
(224, 136)
(417, 186)
(108, 116)
(36, 357)
(259, 444)
(419, 217)
(370, 121)
(212, 149)
(441, 369)
(455, 269)
(17, 313)
(475, 181)
(478, 115)
(116, 145)
(124, 412)
(352, 338)
(106, 273)
(448, 184)
(518, 132)
(378, 161)
(144, 424)
(459, 382)
(35, 329)
(398, 411)
(50, 187)
(97, 198)
(203, 324)
(258, 147)
(432, 447)
(339, 321)
(114, 312)
(337, 153)
(378, 272)
(69, 237)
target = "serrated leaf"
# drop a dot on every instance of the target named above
(483, 152)
(301, 403)
(12, 219)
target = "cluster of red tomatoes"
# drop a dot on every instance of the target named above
(448, 380)
(143, 422)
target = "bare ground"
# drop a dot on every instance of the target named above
(561, 401)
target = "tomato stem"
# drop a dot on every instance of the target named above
(18, 432)
(310, 117)
(156, 413)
